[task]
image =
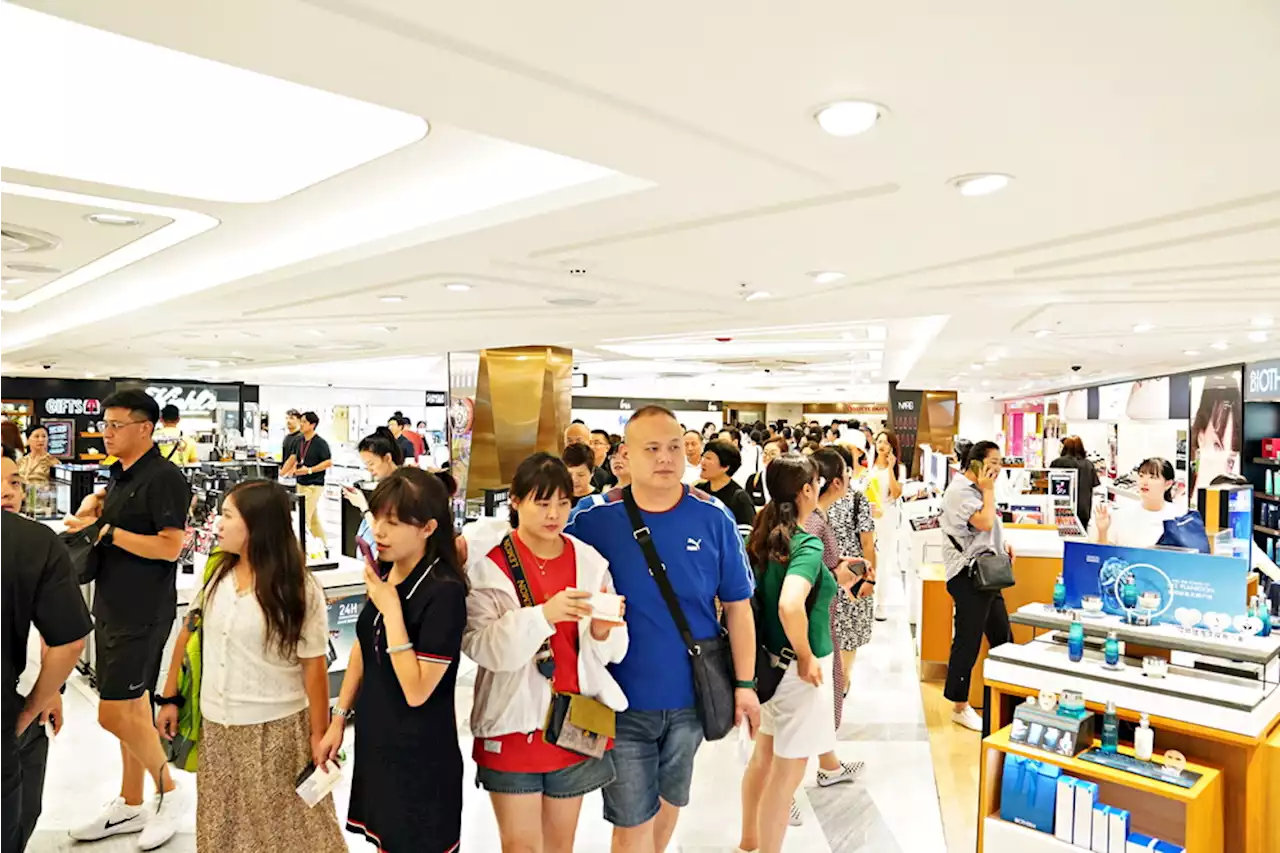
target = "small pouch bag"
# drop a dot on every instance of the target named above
(579, 724)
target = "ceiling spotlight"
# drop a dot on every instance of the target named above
(457, 286)
(391, 299)
(1143, 327)
(983, 183)
(1042, 333)
(1263, 322)
(1258, 337)
(848, 118)
(111, 219)
(975, 366)
(757, 296)
(1218, 345)
(825, 276)
(1191, 352)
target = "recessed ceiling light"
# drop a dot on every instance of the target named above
(993, 358)
(983, 183)
(986, 382)
(316, 332)
(90, 375)
(1191, 352)
(757, 296)
(457, 286)
(1042, 333)
(1258, 337)
(1218, 345)
(975, 366)
(825, 276)
(391, 299)
(848, 118)
(572, 301)
(111, 219)
(1263, 322)
(1143, 327)
(384, 329)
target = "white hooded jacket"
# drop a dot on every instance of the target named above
(503, 638)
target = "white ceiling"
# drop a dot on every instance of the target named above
(664, 162)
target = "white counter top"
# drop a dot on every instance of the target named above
(1035, 543)
(350, 572)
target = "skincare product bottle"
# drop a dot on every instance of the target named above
(1059, 594)
(1075, 639)
(1129, 593)
(1110, 729)
(1263, 611)
(1111, 650)
(1143, 739)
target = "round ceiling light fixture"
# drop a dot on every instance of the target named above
(1191, 352)
(116, 219)
(981, 183)
(1262, 322)
(391, 298)
(458, 286)
(1042, 333)
(848, 118)
(1143, 327)
(825, 276)
(1218, 345)
(1258, 337)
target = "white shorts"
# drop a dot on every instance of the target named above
(800, 717)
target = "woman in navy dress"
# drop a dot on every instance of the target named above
(406, 792)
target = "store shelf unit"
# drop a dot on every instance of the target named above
(1262, 460)
(1189, 817)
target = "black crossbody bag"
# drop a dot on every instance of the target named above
(711, 658)
(991, 572)
(574, 722)
(771, 668)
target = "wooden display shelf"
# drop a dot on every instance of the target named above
(1188, 817)
(91, 435)
(1001, 836)
(1260, 529)
(1262, 497)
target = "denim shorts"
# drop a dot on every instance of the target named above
(653, 754)
(590, 774)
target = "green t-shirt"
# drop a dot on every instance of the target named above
(806, 562)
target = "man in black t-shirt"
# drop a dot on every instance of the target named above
(39, 589)
(293, 425)
(140, 519)
(313, 459)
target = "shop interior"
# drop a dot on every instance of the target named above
(778, 219)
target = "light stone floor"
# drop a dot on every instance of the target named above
(892, 808)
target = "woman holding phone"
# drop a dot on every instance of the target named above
(265, 691)
(406, 791)
(381, 455)
(532, 631)
(795, 724)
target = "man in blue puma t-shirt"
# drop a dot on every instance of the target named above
(698, 540)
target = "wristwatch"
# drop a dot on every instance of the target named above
(177, 700)
(344, 713)
(739, 684)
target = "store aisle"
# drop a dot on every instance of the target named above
(891, 808)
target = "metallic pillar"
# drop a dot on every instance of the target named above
(520, 404)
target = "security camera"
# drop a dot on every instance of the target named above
(768, 370)
(1075, 368)
(47, 366)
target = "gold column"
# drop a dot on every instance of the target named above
(523, 402)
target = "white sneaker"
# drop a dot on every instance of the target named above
(116, 819)
(880, 614)
(796, 819)
(968, 718)
(162, 820)
(847, 772)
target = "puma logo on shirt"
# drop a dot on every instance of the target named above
(693, 545)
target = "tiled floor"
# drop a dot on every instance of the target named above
(892, 808)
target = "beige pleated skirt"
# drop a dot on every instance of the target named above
(246, 799)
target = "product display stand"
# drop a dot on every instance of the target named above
(1226, 717)
(1188, 817)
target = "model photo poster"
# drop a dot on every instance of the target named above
(1217, 426)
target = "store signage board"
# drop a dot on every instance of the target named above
(1189, 585)
(436, 398)
(73, 406)
(190, 401)
(62, 437)
(1262, 380)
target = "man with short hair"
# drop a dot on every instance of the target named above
(39, 590)
(601, 478)
(141, 520)
(698, 542)
(293, 435)
(396, 424)
(577, 457)
(692, 457)
(169, 438)
(311, 461)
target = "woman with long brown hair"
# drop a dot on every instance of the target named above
(264, 695)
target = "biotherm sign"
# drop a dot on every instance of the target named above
(1262, 380)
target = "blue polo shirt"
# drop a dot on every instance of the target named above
(699, 543)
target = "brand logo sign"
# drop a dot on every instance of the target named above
(72, 406)
(1262, 380)
(437, 398)
(192, 400)
(906, 405)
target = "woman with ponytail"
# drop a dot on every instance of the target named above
(796, 591)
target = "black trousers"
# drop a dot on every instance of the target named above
(977, 613)
(22, 805)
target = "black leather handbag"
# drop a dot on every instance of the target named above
(991, 572)
(711, 658)
(83, 547)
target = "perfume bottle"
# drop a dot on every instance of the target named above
(1144, 739)
(1110, 729)
(1059, 594)
(1075, 639)
(1129, 593)
(1111, 650)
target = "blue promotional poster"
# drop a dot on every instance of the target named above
(1194, 590)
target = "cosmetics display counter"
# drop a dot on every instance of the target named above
(1218, 702)
(1190, 818)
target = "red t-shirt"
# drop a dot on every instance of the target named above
(521, 752)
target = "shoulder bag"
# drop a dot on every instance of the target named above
(991, 572)
(711, 658)
(82, 545)
(183, 751)
(574, 722)
(770, 668)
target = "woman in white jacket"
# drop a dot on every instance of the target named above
(534, 642)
